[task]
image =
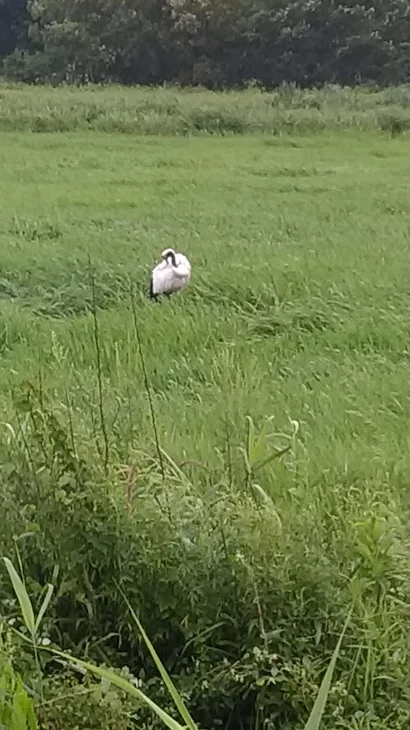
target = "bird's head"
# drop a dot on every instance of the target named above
(168, 255)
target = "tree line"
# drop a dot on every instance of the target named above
(214, 43)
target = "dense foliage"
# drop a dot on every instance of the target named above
(240, 606)
(215, 44)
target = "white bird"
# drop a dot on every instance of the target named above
(171, 274)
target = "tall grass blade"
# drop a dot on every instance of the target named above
(250, 435)
(267, 501)
(22, 596)
(176, 469)
(314, 720)
(275, 455)
(178, 701)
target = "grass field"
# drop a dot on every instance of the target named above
(297, 316)
(298, 306)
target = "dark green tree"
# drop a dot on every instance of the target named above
(217, 43)
(13, 25)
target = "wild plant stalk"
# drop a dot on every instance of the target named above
(151, 403)
(106, 450)
(70, 422)
(228, 452)
(130, 422)
(41, 386)
(146, 381)
(258, 603)
(95, 433)
(28, 453)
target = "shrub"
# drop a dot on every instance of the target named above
(16, 707)
(244, 608)
(71, 704)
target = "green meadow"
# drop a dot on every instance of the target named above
(237, 457)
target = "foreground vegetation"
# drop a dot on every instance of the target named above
(17, 708)
(270, 497)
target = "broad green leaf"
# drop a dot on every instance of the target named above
(258, 447)
(31, 716)
(262, 439)
(16, 707)
(7, 683)
(22, 715)
(44, 606)
(22, 595)
(313, 722)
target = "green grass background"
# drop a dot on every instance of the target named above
(297, 315)
(298, 306)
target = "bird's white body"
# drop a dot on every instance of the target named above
(171, 275)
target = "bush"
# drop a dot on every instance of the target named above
(243, 608)
(29, 68)
(86, 705)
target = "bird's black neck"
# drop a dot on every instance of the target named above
(171, 256)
